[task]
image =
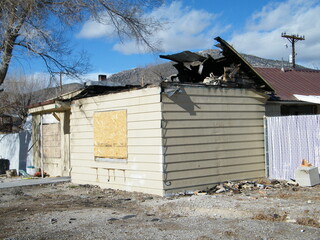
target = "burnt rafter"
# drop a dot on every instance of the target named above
(229, 70)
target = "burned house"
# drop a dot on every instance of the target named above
(200, 127)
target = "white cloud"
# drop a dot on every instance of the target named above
(184, 28)
(93, 29)
(262, 35)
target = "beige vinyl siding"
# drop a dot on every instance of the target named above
(143, 169)
(212, 135)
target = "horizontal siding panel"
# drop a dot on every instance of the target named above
(147, 133)
(144, 124)
(82, 142)
(222, 92)
(88, 120)
(152, 167)
(141, 108)
(151, 107)
(132, 142)
(208, 155)
(188, 132)
(145, 150)
(105, 104)
(153, 124)
(144, 141)
(133, 158)
(81, 135)
(196, 173)
(212, 115)
(75, 156)
(212, 123)
(112, 173)
(131, 149)
(201, 182)
(118, 180)
(135, 133)
(214, 139)
(145, 116)
(213, 147)
(121, 95)
(214, 163)
(81, 121)
(81, 149)
(213, 107)
(81, 128)
(214, 99)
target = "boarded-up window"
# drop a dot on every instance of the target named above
(51, 140)
(110, 134)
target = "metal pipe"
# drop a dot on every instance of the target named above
(41, 145)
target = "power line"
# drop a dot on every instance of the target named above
(293, 39)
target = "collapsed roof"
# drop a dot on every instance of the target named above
(229, 70)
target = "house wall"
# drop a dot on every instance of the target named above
(212, 135)
(142, 170)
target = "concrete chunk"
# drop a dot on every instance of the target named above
(307, 176)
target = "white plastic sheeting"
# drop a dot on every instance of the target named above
(291, 139)
(14, 147)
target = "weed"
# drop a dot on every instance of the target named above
(308, 222)
(270, 217)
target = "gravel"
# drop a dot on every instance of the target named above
(69, 211)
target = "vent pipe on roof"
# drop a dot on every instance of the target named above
(102, 77)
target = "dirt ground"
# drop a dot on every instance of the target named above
(70, 211)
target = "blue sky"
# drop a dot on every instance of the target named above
(251, 26)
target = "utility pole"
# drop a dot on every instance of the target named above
(60, 73)
(293, 39)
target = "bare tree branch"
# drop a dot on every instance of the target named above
(31, 26)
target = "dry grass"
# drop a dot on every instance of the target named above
(270, 217)
(230, 234)
(306, 221)
(263, 180)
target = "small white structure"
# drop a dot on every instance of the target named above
(307, 176)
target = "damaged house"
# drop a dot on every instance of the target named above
(197, 128)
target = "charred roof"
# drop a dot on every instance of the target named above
(229, 70)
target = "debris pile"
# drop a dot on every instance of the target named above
(246, 186)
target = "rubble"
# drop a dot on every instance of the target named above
(247, 186)
(229, 69)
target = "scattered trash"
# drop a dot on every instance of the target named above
(125, 199)
(246, 186)
(155, 220)
(53, 220)
(305, 163)
(129, 216)
(11, 173)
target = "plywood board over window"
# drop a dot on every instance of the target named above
(110, 135)
(51, 140)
